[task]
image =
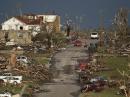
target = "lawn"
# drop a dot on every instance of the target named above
(114, 63)
(42, 60)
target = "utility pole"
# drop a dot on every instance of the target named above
(101, 37)
(101, 30)
(80, 22)
(18, 6)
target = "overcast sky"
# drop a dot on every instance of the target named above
(88, 10)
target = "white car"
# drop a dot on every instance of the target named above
(8, 77)
(94, 35)
(19, 48)
(13, 79)
(11, 43)
(59, 49)
(5, 95)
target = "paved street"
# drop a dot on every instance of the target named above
(65, 84)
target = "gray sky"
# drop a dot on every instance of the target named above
(88, 10)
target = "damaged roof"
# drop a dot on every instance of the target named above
(29, 21)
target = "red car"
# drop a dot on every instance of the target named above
(78, 43)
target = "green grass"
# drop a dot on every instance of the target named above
(115, 63)
(11, 88)
(42, 60)
(31, 54)
(105, 93)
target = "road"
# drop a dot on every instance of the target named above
(64, 85)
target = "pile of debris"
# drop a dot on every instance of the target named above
(2, 59)
(124, 50)
(3, 63)
(35, 72)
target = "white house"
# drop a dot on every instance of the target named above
(21, 23)
(32, 21)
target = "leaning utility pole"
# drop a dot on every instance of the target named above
(101, 30)
(101, 38)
